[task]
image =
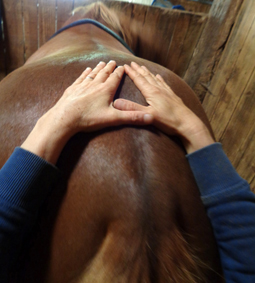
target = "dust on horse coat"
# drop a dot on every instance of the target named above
(127, 208)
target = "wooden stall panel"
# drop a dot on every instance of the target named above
(193, 33)
(64, 11)
(211, 45)
(193, 6)
(31, 31)
(2, 48)
(229, 57)
(14, 40)
(175, 33)
(232, 103)
(46, 19)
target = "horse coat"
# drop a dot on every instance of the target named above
(127, 208)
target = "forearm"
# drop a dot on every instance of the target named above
(48, 137)
(230, 206)
(25, 182)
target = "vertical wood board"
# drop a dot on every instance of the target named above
(215, 34)
(13, 27)
(64, 11)
(30, 17)
(46, 20)
(229, 57)
(193, 6)
(241, 124)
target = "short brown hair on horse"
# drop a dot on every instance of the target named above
(101, 13)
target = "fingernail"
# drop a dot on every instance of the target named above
(87, 68)
(101, 62)
(147, 118)
(110, 61)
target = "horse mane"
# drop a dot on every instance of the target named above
(101, 13)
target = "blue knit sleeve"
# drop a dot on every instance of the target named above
(25, 182)
(230, 205)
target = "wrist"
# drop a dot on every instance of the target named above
(48, 138)
(196, 137)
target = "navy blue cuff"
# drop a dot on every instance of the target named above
(26, 179)
(213, 171)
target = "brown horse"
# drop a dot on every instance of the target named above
(127, 208)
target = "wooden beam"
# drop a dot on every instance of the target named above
(64, 11)
(2, 47)
(211, 44)
(14, 40)
(31, 32)
(47, 20)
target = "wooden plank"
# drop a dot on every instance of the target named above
(163, 29)
(193, 6)
(239, 77)
(211, 44)
(64, 11)
(13, 34)
(30, 14)
(2, 48)
(177, 41)
(47, 20)
(195, 27)
(239, 127)
(228, 60)
(78, 3)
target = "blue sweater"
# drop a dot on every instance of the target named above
(26, 180)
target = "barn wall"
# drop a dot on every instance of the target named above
(30, 23)
(230, 101)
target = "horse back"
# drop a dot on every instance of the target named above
(126, 208)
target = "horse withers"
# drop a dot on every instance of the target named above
(127, 208)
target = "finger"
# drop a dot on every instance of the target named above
(95, 71)
(132, 118)
(149, 73)
(142, 70)
(83, 76)
(113, 81)
(162, 81)
(127, 105)
(137, 78)
(104, 73)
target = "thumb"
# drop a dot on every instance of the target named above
(133, 118)
(127, 105)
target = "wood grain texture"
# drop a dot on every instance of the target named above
(64, 11)
(167, 37)
(194, 30)
(231, 105)
(228, 60)
(211, 44)
(14, 39)
(30, 17)
(46, 20)
(193, 6)
(2, 48)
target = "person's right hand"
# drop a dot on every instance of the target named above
(169, 112)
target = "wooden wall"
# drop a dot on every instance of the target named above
(30, 23)
(230, 103)
(194, 6)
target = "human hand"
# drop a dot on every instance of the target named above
(87, 105)
(169, 112)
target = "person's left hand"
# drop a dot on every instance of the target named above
(87, 105)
